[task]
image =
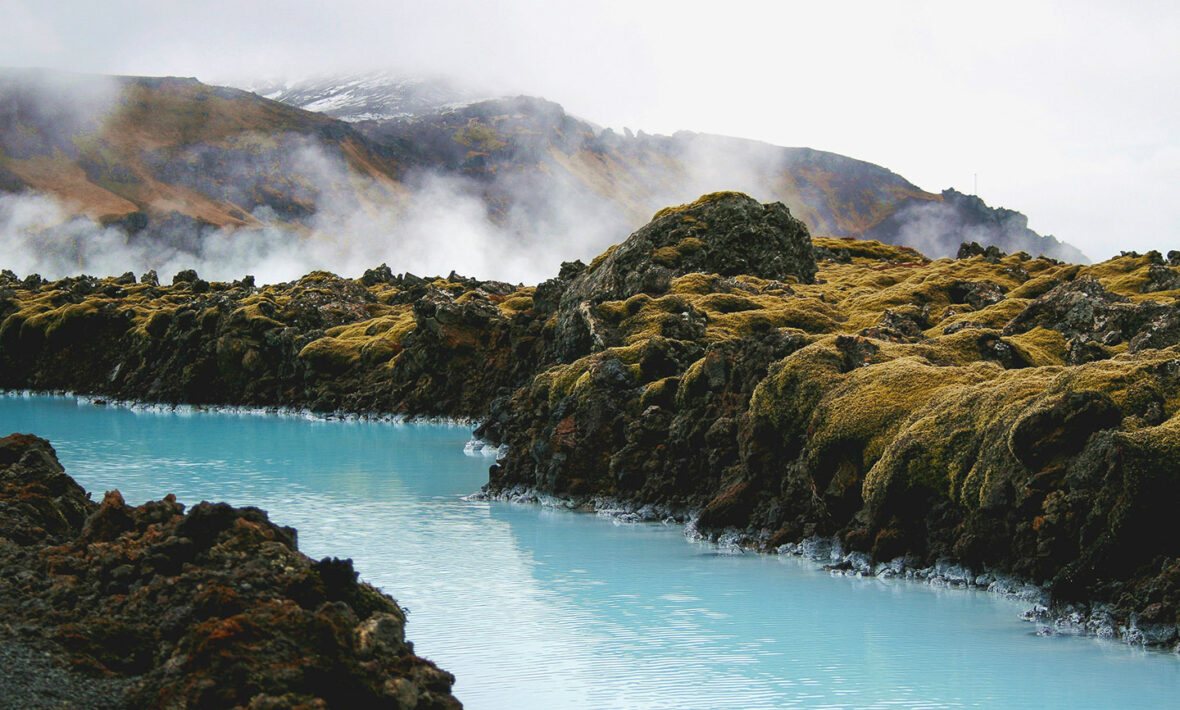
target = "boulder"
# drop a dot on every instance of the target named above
(725, 233)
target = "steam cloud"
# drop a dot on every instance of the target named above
(441, 224)
(433, 224)
(511, 225)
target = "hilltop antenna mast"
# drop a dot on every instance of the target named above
(976, 190)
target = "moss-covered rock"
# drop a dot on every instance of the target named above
(1008, 412)
(728, 234)
(214, 606)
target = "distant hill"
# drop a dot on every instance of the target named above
(184, 170)
(138, 149)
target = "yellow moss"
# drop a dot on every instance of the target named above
(1123, 377)
(937, 445)
(572, 379)
(666, 256)
(601, 258)
(866, 410)
(726, 303)
(764, 287)
(1163, 441)
(316, 277)
(1045, 282)
(957, 443)
(869, 249)
(451, 287)
(515, 304)
(153, 324)
(1040, 346)
(688, 382)
(375, 340)
(611, 311)
(561, 379)
(792, 387)
(59, 320)
(659, 392)
(695, 283)
(1126, 275)
(700, 201)
(995, 316)
(789, 313)
(331, 355)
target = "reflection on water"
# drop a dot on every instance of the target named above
(537, 608)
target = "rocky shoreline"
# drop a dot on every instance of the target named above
(1096, 619)
(112, 606)
(273, 411)
(999, 411)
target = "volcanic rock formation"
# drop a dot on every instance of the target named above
(214, 606)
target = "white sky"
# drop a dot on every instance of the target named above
(1067, 111)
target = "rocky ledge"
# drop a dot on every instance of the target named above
(1003, 413)
(112, 606)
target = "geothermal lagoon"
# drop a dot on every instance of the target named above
(535, 607)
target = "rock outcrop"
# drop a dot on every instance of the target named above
(210, 607)
(1002, 412)
(724, 233)
(375, 345)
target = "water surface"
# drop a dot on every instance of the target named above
(539, 608)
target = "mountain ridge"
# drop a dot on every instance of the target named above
(183, 170)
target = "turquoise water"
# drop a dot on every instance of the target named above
(538, 608)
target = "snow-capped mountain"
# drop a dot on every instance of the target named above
(366, 97)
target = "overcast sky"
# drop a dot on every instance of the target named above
(1066, 111)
